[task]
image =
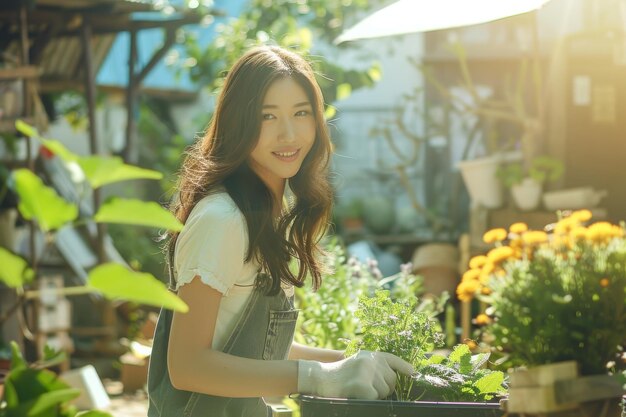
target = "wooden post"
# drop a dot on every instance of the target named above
(129, 152)
(90, 92)
(24, 44)
(90, 89)
(466, 320)
(135, 78)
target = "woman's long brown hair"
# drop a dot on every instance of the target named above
(220, 158)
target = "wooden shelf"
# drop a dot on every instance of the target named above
(28, 72)
(390, 239)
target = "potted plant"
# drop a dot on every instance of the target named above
(326, 318)
(442, 386)
(349, 215)
(556, 296)
(526, 184)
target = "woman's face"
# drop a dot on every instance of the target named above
(287, 133)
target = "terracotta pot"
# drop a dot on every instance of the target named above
(3, 374)
(437, 263)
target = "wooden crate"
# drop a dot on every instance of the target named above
(558, 390)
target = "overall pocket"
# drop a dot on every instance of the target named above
(280, 330)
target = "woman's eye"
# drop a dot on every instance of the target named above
(303, 113)
(268, 116)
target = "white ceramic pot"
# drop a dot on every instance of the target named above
(527, 194)
(573, 198)
(480, 179)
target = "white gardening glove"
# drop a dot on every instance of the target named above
(365, 375)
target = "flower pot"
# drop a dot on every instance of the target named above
(557, 389)
(379, 214)
(573, 198)
(327, 407)
(437, 263)
(3, 375)
(481, 182)
(352, 225)
(527, 194)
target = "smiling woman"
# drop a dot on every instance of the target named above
(231, 261)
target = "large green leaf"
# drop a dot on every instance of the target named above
(26, 129)
(116, 281)
(15, 271)
(40, 202)
(47, 402)
(106, 170)
(17, 360)
(137, 212)
(490, 383)
(459, 352)
(26, 385)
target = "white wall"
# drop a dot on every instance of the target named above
(358, 151)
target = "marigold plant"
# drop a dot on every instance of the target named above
(553, 295)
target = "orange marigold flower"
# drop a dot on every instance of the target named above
(500, 254)
(465, 290)
(488, 268)
(604, 282)
(518, 228)
(482, 319)
(581, 215)
(477, 261)
(494, 235)
(485, 290)
(600, 232)
(535, 237)
(579, 233)
(564, 225)
(471, 344)
(484, 278)
(617, 231)
(560, 241)
(471, 274)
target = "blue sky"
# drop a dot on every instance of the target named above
(114, 70)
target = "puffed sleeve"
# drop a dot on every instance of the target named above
(212, 245)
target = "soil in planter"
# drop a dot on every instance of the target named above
(328, 407)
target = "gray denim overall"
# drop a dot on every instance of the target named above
(264, 331)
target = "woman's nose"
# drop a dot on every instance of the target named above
(287, 131)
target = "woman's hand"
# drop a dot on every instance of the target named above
(365, 375)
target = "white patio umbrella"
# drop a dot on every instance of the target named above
(410, 16)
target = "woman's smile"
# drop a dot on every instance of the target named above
(287, 156)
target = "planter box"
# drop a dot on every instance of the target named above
(331, 407)
(557, 390)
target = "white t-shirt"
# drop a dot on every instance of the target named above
(213, 245)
